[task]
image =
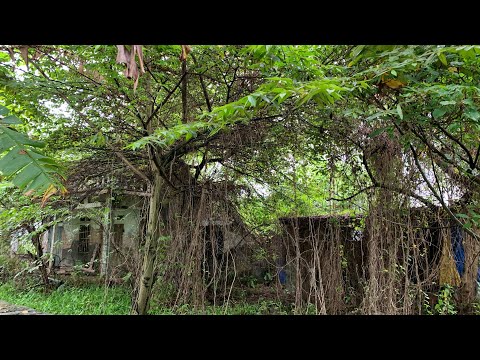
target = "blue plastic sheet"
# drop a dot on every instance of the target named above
(459, 252)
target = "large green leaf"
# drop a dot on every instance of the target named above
(23, 165)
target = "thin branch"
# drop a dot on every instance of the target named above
(184, 92)
(476, 156)
(204, 88)
(159, 168)
(164, 101)
(439, 198)
(464, 148)
(130, 165)
(352, 196)
(394, 188)
(138, 115)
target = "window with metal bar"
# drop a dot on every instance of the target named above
(84, 235)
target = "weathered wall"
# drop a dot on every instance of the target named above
(66, 247)
(70, 255)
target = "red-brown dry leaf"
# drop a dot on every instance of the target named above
(185, 51)
(132, 65)
(139, 51)
(121, 56)
(52, 190)
(127, 57)
(29, 192)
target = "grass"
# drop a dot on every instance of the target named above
(69, 300)
(262, 307)
(95, 299)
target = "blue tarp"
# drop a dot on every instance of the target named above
(459, 252)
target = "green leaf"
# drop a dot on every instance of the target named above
(375, 116)
(4, 57)
(448, 102)
(442, 58)
(393, 72)
(188, 136)
(463, 216)
(472, 114)
(453, 127)
(438, 113)
(399, 111)
(4, 110)
(11, 120)
(26, 168)
(6, 185)
(20, 138)
(29, 173)
(377, 132)
(357, 50)
(252, 100)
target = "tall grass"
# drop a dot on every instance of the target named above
(69, 300)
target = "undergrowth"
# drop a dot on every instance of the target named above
(95, 299)
(68, 300)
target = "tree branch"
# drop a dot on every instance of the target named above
(164, 101)
(130, 165)
(351, 196)
(439, 198)
(204, 88)
(184, 92)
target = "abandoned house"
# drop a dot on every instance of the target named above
(82, 239)
(107, 199)
(330, 256)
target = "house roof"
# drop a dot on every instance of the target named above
(104, 170)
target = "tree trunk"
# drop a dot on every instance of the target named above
(39, 258)
(107, 236)
(140, 306)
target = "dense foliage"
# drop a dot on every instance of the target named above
(288, 130)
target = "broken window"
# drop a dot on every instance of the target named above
(84, 235)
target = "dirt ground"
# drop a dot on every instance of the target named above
(9, 309)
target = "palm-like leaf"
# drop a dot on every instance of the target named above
(23, 164)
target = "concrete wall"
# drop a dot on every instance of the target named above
(67, 233)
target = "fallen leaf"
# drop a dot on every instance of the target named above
(22, 152)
